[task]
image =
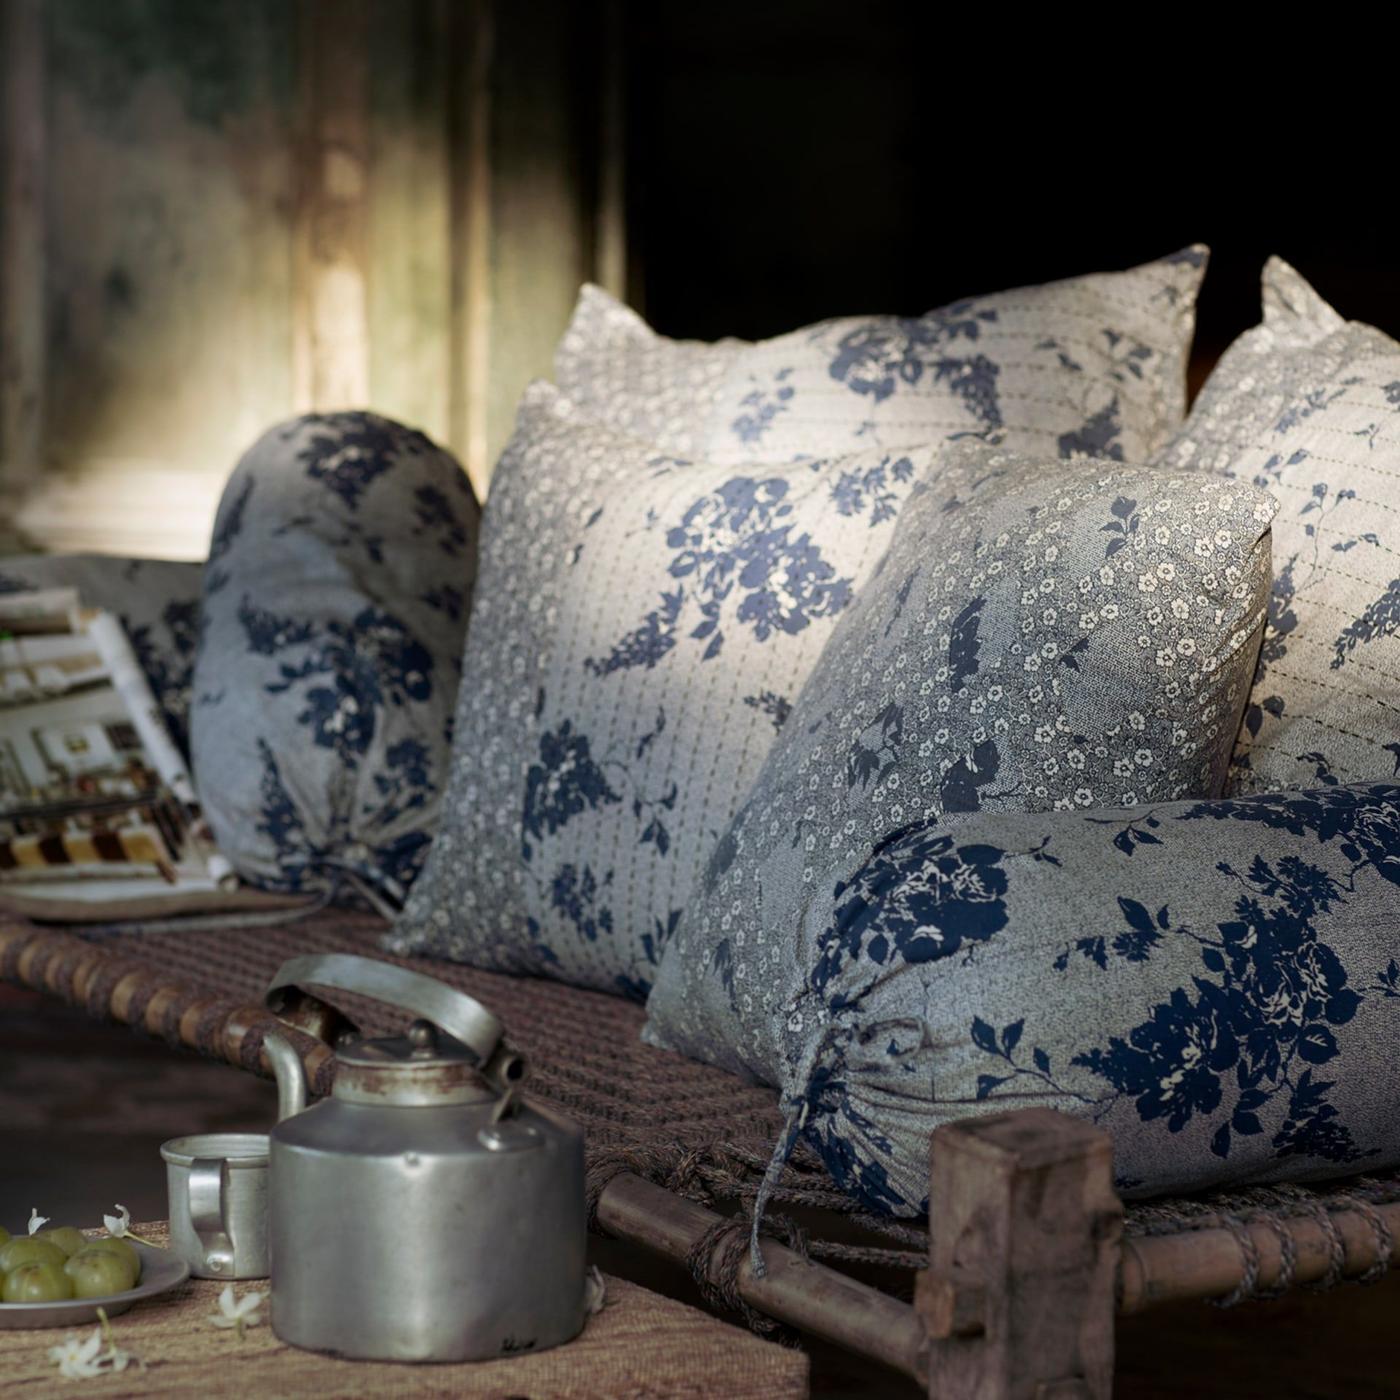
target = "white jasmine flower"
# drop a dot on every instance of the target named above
(238, 1313)
(76, 1357)
(36, 1221)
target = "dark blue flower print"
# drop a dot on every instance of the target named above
(918, 898)
(575, 894)
(348, 451)
(874, 760)
(737, 542)
(1097, 437)
(833, 1127)
(873, 487)
(762, 406)
(1125, 522)
(405, 783)
(877, 357)
(1365, 818)
(357, 669)
(1172, 1063)
(445, 598)
(964, 645)
(227, 529)
(279, 820)
(434, 513)
(1381, 619)
(1266, 1010)
(775, 706)
(565, 782)
(647, 644)
(170, 672)
(958, 790)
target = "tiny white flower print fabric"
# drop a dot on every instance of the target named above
(641, 629)
(1089, 366)
(1307, 406)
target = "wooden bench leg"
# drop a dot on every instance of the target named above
(1024, 1229)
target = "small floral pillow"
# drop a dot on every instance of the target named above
(1089, 366)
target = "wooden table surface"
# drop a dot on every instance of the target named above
(639, 1345)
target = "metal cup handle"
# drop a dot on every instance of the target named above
(207, 1191)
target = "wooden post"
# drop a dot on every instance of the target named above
(330, 346)
(1023, 1259)
(23, 309)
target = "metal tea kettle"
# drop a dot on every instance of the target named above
(423, 1212)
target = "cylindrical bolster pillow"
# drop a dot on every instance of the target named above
(334, 608)
(1216, 983)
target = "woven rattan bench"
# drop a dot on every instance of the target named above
(1031, 1253)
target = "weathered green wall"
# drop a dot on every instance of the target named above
(254, 207)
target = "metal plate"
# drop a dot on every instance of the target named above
(160, 1272)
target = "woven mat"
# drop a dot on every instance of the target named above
(204, 990)
(639, 1345)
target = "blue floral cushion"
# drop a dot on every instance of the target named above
(642, 628)
(1091, 366)
(1215, 983)
(334, 607)
(157, 602)
(1307, 405)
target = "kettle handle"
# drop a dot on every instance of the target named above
(462, 1017)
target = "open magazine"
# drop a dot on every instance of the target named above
(98, 814)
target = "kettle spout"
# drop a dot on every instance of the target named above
(290, 1075)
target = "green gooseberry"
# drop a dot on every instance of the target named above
(123, 1248)
(69, 1240)
(30, 1251)
(4, 1237)
(98, 1273)
(37, 1282)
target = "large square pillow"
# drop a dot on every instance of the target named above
(1307, 405)
(641, 628)
(157, 603)
(1091, 366)
(1214, 983)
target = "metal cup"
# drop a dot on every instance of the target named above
(218, 1203)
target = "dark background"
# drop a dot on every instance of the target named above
(792, 161)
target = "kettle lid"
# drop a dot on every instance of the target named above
(451, 1054)
(423, 1069)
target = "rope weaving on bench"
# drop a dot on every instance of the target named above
(697, 1131)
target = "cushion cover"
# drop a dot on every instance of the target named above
(335, 602)
(1092, 365)
(1215, 983)
(642, 627)
(1307, 405)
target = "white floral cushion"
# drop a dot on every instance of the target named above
(1307, 405)
(1091, 366)
(641, 628)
